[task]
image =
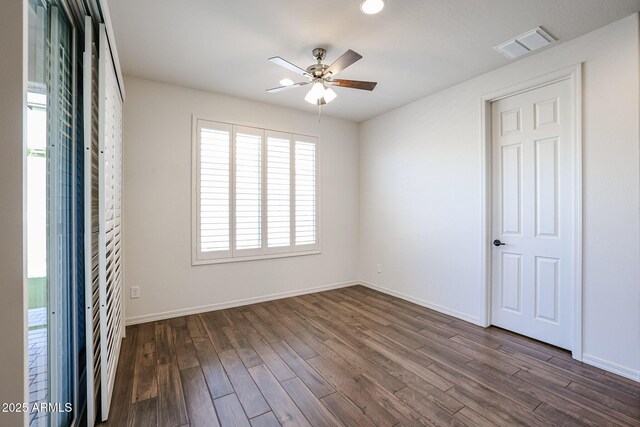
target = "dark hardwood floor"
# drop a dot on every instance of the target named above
(354, 357)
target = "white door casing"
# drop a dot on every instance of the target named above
(532, 275)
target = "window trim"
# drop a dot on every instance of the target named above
(232, 255)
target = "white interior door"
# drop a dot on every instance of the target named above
(532, 271)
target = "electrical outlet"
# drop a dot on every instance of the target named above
(135, 292)
(379, 266)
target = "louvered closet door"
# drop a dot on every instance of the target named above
(110, 229)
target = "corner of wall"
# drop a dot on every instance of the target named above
(359, 239)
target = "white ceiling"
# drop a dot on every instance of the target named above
(412, 48)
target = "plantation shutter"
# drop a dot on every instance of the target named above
(306, 197)
(248, 191)
(110, 222)
(60, 207)
(278, 192)
(213, 203)
(91, 220)
(255, 192)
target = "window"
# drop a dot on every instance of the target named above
(255, 193)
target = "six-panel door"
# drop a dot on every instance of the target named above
(532, 213)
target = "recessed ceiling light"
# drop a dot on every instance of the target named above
(286, 82)
(371, 7)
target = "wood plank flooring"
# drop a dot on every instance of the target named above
(354, 357)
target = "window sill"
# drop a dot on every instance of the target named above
(254, 258)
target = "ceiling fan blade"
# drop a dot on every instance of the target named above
(281, 88)
(288, 65)
(347, 58)
(355, 84)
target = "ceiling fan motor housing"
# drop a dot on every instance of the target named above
(316, 70)
(319, 53)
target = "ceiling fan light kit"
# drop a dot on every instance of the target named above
(371, 7)
(315, 94)
(321, 76)
(329, 95)
(317, 90)
(322, 96)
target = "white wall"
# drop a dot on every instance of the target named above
(157, 204)
(13, 330)
(420, 168)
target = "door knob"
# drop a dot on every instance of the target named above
(498, 243)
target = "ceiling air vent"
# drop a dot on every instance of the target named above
(525, 43)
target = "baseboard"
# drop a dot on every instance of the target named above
(436, 307)
(589, 360)
(230, 304)
(611, 367)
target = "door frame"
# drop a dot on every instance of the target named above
(574, 75)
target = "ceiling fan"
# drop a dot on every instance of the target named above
(322, 76)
